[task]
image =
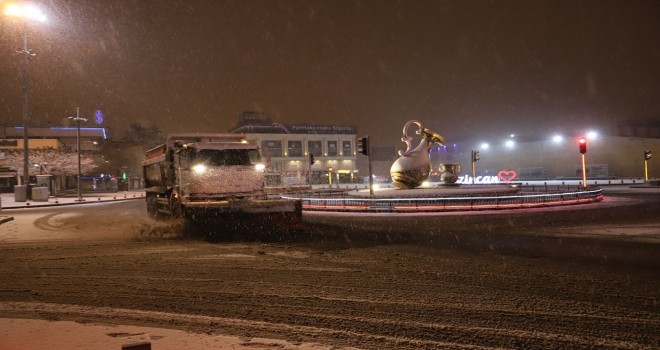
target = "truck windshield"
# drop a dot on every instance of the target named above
(226, 157)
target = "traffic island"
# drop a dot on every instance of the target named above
(450, 199)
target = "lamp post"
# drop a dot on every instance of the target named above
(78, 119)
(25, 13)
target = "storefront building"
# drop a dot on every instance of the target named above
(289, 149)
(11, 137)
(42, 139)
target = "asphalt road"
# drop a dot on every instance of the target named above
(581, 277)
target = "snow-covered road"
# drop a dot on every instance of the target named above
(542, 279)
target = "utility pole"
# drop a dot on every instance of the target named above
(78, 119)
(26, 55)
(26, 14)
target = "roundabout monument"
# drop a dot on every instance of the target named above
(409, 193)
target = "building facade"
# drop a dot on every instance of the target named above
(40, 140)
(57, 137)
(290, 149)
(606, 157)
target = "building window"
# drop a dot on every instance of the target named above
(346, 149)
(295, 149)
(314, 147)
(332, 148)
(271, 149)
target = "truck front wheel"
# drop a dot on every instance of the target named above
(175, 207)
(152, 206)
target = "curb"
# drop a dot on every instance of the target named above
(4, 219)
(51, 204)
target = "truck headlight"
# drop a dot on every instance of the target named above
(260, 166)
(199, 168)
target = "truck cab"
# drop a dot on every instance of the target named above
(218, 170)
(212, 177)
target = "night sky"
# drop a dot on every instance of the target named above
(464, 68)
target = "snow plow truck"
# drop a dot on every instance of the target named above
(213, 177)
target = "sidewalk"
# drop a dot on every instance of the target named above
(29, 334)
(7, 201)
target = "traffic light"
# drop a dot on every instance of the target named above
(475, 156)
(311, 159)
(582, 142)
(363, 145)
(648, 155)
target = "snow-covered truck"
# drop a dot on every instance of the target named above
(204, 176)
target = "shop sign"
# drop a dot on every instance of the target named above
(505, 176)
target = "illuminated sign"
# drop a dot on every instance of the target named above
(467, 179)
(321, 129)
(99, 117)
(507, 175)
(502, 176)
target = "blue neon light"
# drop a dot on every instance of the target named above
(74, 128)
(99, 117)
(70, 128)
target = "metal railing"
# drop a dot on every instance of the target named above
(527, 198)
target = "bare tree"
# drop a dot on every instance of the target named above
(128, 152)
(51, 161)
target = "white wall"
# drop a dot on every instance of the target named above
(623, 156)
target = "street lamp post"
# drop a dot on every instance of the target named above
(25, 13)
(78, 119)
(26, 55)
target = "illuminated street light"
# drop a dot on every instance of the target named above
(592, 135)
(484, 146)
(26, 13)
(509, 143)
(557, 139)
(30, 12)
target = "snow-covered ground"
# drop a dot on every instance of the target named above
(572, 278)
(31, 334)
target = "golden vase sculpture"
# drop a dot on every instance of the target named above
(449, 172)
(413, 165)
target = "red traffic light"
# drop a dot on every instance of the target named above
(582, 142)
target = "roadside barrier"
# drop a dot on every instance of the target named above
(448, 203)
